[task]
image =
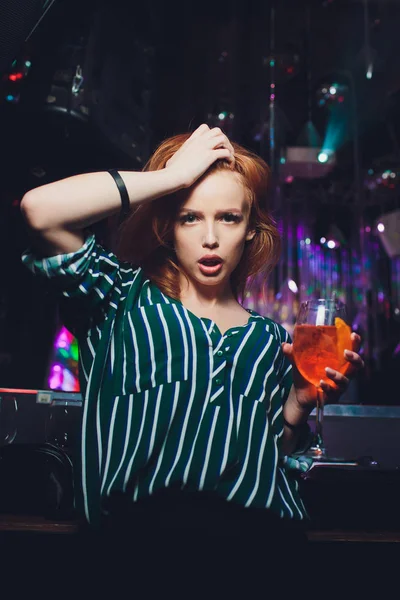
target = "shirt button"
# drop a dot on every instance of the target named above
(219, 353)
(218, 381)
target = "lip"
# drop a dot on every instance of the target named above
(210, 257)
(210, 269)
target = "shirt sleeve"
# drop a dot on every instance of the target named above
(90, 272)
(296, 461)
(87, 280)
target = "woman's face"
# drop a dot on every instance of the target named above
(211, 229)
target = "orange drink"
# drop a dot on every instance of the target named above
(320, 346)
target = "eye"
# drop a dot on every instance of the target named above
(231, 218)
(188, 218)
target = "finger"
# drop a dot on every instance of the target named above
(215, 131)
(229, 145)
(231, 160)
(354, 358)
(341, 380)
(218, 141)
(331, 391)
(287, 349)
(355, 341)
(221, 153)
(221, 139)
(200, 130)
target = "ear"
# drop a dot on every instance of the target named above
(250, 234)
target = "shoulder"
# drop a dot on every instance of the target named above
(277, 330)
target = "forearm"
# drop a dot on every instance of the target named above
(77, 202)
(296, 415)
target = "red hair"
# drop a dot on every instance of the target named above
(145, 238)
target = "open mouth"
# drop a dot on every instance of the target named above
(210, 266)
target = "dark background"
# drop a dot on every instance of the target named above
(152, 69)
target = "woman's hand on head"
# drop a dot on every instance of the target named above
(198, 153)
(306, 392)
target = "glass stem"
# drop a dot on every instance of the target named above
(319, 417)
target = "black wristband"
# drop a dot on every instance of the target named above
(295, 427)
(123, 192)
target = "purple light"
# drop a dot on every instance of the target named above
(368, 229)
(289, 179)
(63, 339)
(55, 382)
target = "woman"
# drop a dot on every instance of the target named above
(190, 401)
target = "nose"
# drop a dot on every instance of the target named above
(210, 239)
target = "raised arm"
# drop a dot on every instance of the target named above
(59, 212)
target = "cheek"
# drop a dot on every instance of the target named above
(238, 242)
(179, 239)
(183, 246)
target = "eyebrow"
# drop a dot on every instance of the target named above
(224, 211)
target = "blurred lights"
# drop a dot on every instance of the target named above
(292, 285)
(15, 76)
(221, 118)
(380, 227)
(19, 70)
(388, 178)
(323, 157)
(331, 244)
(12, 98)
(63, 372)
(331, 93)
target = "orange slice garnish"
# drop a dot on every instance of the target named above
(343, 342)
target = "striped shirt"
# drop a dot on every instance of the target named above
(169, 399)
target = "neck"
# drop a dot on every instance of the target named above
(207, 295)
